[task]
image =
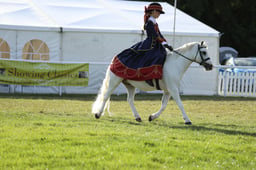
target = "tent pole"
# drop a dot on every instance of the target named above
(61, 54)
(61, 44)
(174, 23)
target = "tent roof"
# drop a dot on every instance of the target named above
(94, 15)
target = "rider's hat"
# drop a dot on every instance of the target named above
(154, 6)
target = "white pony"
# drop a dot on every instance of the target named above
(175, 66)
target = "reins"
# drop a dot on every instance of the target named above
(198, 51)
(183, 55)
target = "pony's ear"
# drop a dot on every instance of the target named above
(203, 44)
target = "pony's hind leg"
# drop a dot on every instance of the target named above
(165, 99)
(130, 100)
(110, 83)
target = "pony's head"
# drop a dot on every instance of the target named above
(202, 57)
(195, 52)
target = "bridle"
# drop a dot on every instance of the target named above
(201, 53)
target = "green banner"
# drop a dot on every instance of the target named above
(43, 73)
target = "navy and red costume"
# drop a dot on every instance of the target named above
(144, 60)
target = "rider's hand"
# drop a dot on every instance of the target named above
(168, 46)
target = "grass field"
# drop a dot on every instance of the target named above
(52, 132)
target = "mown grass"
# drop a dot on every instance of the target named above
(52, 132)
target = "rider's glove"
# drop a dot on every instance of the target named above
(168, 46)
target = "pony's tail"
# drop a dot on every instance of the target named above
(107, 106)
(100, 97)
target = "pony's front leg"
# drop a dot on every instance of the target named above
(130, 100)
(165, 100)
(176, 97)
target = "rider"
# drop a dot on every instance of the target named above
(144, 60)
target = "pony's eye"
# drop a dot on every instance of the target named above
(204, 52)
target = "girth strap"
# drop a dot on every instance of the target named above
(150, 82)
(157, 84)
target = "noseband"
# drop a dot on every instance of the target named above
(201, 53)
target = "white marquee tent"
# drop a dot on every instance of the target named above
(94, 31)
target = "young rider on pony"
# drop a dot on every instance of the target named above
(144, 60)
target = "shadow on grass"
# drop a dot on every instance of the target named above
(219, 128)
(225, 129)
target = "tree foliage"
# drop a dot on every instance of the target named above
(236, 19)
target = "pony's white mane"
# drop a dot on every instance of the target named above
(182, 48)
(186, 47)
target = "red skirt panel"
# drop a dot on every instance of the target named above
(140, 74)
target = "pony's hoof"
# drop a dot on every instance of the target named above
(188, 123)
(150, 118)
(138, 119)
(97, 116)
